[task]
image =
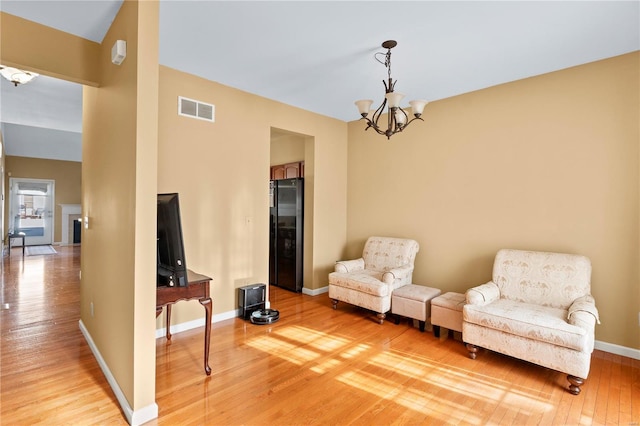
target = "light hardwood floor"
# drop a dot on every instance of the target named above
(314, 366)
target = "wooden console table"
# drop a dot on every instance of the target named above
(197, 288)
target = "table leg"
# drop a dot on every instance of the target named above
(23, 243)
(206, 302)
(168, 322)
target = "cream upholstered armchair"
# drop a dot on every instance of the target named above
(386, 264)
(538, 308)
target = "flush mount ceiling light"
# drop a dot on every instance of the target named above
(397, 118)
(17, 76)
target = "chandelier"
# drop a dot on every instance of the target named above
(397, 118)
(17, 76)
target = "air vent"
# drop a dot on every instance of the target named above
(196, 109)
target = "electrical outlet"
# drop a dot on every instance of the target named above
(91, 307)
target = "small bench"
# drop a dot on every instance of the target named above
(446, 311)
(413, 301)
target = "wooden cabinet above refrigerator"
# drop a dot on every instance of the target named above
(288, 171)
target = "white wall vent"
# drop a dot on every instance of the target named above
(196, 109)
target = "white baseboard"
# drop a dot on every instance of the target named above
(617, 349)
(316, 291)
(135, 418)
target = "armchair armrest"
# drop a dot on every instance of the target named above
(349, 265)
(583, 312)
(401, 273)
(483, 294)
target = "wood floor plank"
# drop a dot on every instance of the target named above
(314, 366)
(635, 390)
(625, 392)
(613, 404)
(602, 399)
(591, 386)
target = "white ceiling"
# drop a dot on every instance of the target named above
(318, 55)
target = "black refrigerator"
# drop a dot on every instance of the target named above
(286, 233)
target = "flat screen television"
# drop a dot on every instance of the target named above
(172, 267)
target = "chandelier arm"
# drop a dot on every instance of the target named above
(378, 113)
(371, 124)
(387, 87)
(411, 121)
(367, 121)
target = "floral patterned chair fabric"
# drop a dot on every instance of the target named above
(368, 282)
(538, 308)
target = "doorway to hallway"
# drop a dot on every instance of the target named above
(31, 209)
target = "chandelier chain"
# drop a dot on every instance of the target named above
(386, 62)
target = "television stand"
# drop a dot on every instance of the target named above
(196, 288)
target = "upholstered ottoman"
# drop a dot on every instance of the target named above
(413, 301)
(446, 311)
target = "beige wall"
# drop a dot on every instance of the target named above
(119, 183)
(547, 163)
(286, 148)
(221, 171)
(66, 174)
(28, 45)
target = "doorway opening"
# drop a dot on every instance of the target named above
(31, 209)
(295, 153)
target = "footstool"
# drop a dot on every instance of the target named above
(446, 311)
(413, 301)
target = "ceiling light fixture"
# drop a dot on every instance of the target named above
(17, 76)
(397, 118)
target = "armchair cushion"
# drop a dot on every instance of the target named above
(535, 322)
(548, 279)
(385, 253)
(365, 281)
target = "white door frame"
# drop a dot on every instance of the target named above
(49, 213)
